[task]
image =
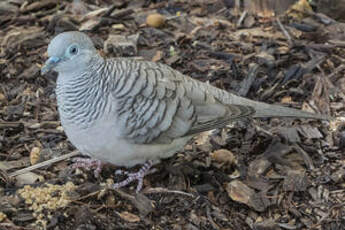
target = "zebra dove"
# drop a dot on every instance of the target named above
(128, 112)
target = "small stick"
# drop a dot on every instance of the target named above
(336, 71)
(287, 35)
(164, 190)
(243, 16)
(44, 163)
(10, 124)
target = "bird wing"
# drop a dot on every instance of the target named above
(156, 104)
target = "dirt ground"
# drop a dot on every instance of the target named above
(253, 174)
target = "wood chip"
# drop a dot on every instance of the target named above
(240, 192)
(296, 181)
(129, 217)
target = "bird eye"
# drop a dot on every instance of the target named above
(73, 50)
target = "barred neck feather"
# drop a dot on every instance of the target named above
(83, 97)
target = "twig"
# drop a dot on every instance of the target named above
(173, 17)
(7, 125)
(12, 226)
(248, 81)
(209, 217)
(307, 160)
(44, 163)
(240, 20)
(87, 195)
(164, 190)
(287, 35)
(327, 215)
(110, 10)
(30, 125)
(336, 71)
(337, 43)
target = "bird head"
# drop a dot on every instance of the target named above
(68, 52)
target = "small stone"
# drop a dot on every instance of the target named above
(223, 156)
(155, 20)
(118, 27)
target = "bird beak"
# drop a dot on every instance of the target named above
(50, 64)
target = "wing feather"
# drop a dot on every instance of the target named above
(157, 104)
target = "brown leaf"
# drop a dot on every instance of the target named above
(158, 56)
(129, 217)
(35, 155)
(240, 192)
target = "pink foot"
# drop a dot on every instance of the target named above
(139, 176)
(88, 163)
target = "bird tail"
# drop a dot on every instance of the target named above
(263, 110)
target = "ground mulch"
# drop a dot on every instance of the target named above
(261, 174)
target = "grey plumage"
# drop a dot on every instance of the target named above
(126, 112)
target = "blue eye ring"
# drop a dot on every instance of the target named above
(73, 50)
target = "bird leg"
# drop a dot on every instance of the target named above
(139, 176)
(88, 163)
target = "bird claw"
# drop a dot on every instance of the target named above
(88, 164)
(139, 176)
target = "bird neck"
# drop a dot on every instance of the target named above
(81, 96)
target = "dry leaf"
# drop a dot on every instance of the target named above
(286, 100)
(239, 192)
(300, 9)
(129, 217)
(158, 56)
(2, 216)
(35, 155)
